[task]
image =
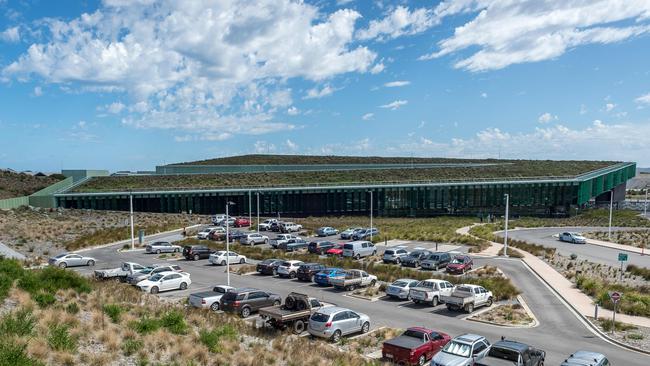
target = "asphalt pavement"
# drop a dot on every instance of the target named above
(560, 333)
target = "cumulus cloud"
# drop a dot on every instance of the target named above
(609, 107)
(510, 32)
(292, 146)
(11, 35)
(367, 116)
(546, 118)
(292, 111)
(263, 147)
(644, 99)
(38, 91)
(316, 93)
(397, 104)
(115, 107)
(397, 83)
(399, 22)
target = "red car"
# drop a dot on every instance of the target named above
(336, 250)
(415, 346)
(460, 264)
(241, 222)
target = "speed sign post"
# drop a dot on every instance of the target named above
(615, 296)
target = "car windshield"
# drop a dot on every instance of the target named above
(428, 284)
(399, 283)
(389, 251)
(286, 264)
(414, 333)
(348, 246)
(458, 260)
(268, 261)
(320, 317)
(504, 354)
(156, 277)
(146, 270)
(61, 255)
(457, 349)
(220, 253)
(433, 257)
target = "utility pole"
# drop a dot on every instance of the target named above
(370, 215)
(645, 204)
(228, 203)
(505, 240)
(258, 211)
(250, 210)
(611, 208)
(131, 212)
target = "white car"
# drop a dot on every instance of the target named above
(204, 233)
(289, 227)
(165, 281)
(162, 247)
(209, 299)
(282, 239)
(575, 238)
(218, 219)
(289, 268)
(220, 257)
(266, 225)
(254, 238)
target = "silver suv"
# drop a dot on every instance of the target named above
(394, 255)
(463, 350)
(334, 322)
(252, 239)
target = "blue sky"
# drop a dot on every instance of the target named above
(126, 85)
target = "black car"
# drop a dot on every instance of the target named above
(436, 260)
(275, 227)
(415, 258)
(196, 252)
(513, 353)
(307, 271)
(292, 245)
(269, 266)
(236, 235)
(320, 247)
(247, 300)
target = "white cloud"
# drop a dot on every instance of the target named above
(509, 32)
(315, 93)
(394, 105)
(484, 95)
(263, 147)
(38, 91)
(379, 67)
(292, 111)
(644, 99)
(292, 146)
(397, 83)
(609, 107)
(11, 35)
(81, 125)
(367, 116)
(399, 22)
(583, 109)
(201, 67)
(115, 107)
(421, 124)
(546, 118)
(184, 138)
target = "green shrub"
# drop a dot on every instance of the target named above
(13, 354)
(19, 323)
(131, 346)
(635, 336)
(639, 271)
(5, 285)
(145, 325)
(60, 339)
(606, 324)
(113, 311)
(174, 321)
(44, 299)
(72, 308)
(212, 338)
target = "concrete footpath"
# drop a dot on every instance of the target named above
(621, 247)
(562, 286)
(7, 252)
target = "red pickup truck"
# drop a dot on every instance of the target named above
(414, 347)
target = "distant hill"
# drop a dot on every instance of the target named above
(14, 184)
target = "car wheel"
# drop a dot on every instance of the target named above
(357, 257)
(292, 275)
(90, 263)
(373, 283)
(196, 257)
(176, 250)
(158, 251)
(245, 312)
(469, 308)
(336, 337)
(434, 302)
(397, 261)
(63, 264)
(242, 261)
(214, 306)
(154, 290)
(266, 241)
(223, 263)
(416, 301)
(183, 286)
(365, 327)
(298, 327)
(374, 252)
(275, 272)
(349, 288)
(276, 303)
(489, 302)
(422, 360)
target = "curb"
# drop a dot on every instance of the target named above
(129, 240)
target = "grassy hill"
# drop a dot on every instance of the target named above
(264, 159)
(19, 184)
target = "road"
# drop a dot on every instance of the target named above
(560, 333)
(590, 252)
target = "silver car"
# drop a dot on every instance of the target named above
(162, 247)
(71, 260)
(252, 239)
(580, 358)
(334, 322)
(394, 255)
(401, 288)
(574, 238)
(463, 350)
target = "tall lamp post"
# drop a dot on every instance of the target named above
(505, 239)
(228, 204)
(645, 204)
(258, 211)
(371, 202)
(131, 213)
(611, 208)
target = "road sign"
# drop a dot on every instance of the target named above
(615, 296)
(622, 257)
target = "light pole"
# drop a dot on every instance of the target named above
(258, 211)
(228, 204)
(371, 215)
(505, 239)
(131, 212)
(250, 210)
(645, 204)
(611, 208)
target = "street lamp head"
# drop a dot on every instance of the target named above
(230, 203)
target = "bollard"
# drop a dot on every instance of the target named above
(596, 312)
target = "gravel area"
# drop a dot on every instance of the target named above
(569, 268)
(635, 336)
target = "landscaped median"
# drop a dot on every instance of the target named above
(501, 287)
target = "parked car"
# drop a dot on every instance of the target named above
(165, 281)
(415, 258)
(282, 238)
(196, 252)
(334, 322)
(217, 233)
(120, 272)
(353, 279)
(468, 297)
(203, 233)
(307, 271)
(218, 219)
(336, 250)
(365, 234)
(326, 231)
(254, 238)
(290, 227)
(294, 314)
(359, 249)
(574, 238)
(241, 222)
(394, 255)
(415, 346)
(289, 268)
(582, 358)
(230, 221)
(463, 350)
(246, 301)
(136, 277)
(209, 299)
(292, 245)
(276, 227)
(266, 224)
(460, 264)
(323, 277)
(436, 261)
(430, 291)
(320, 247)
(219, 258)
(513, 353)
(235, 235)
(64, 260)
(269, 266)
(347, 233)
(162, 247)
(400, 288)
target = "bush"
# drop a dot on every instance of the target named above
(639, 271)
(60, 339)
(145, 325)
(72, 308)
(212, 338)
(174, 321)
(44, 299)
(606, 324)
(113, 311)
(131, 346)
(19, 323)
(13, 354)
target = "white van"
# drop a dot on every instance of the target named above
(359, 249)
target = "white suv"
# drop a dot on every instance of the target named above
(290, 227)
(289, 268)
